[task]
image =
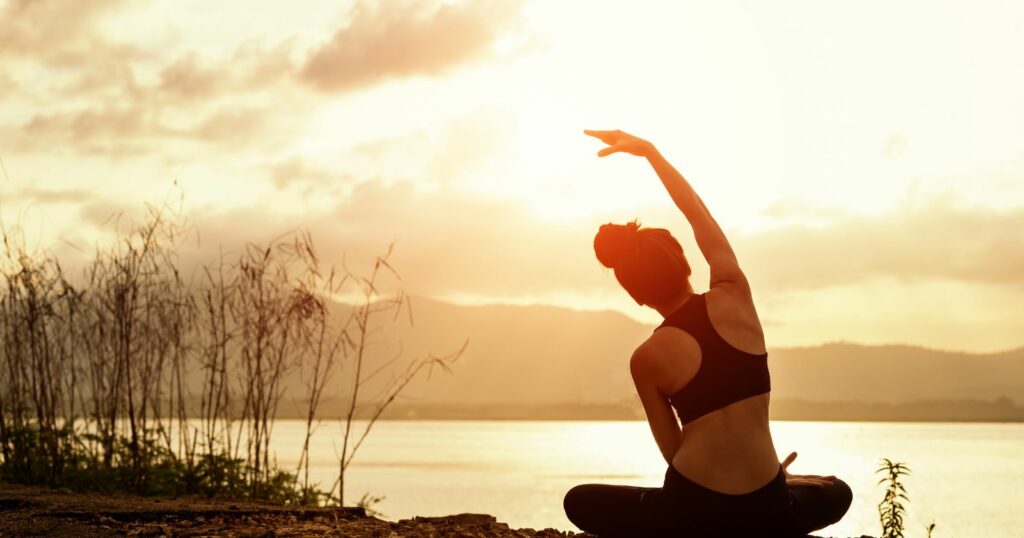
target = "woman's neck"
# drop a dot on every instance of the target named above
(668, 308)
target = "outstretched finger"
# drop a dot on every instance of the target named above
(609, 150)
(789, 459)
(818, 478)
(800, 482)
(813, 477)
(608, 137)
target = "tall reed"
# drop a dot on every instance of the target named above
(137, 378)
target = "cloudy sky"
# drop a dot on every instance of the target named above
(866, 158)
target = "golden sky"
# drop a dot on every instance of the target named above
(866, 158)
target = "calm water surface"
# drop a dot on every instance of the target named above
(968, 478)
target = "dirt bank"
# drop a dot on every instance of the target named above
(30, 511)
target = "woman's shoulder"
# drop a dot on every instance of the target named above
(670, 356)
(733, 316)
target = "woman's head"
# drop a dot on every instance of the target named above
(648, 262)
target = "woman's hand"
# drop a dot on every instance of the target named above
(619, 141)
(804, 479)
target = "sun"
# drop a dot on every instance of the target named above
(541, 139)
(554, 164)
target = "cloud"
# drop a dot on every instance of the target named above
(68, 37)
(88, 124)
(441, 154)
(298, 171)
(101, 213)
(404, 38)
(52, 196)
(62, 38)
(51, 29)
(253, 67)
(310, 179)
(450, 242)
(188, 78)
(96, 101)
(8, 86)
(132, 129)
(446, 241)
(113, 130)
(932, 240)
(114, 99)
(230, 125)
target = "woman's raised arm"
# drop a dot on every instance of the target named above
(711, 240)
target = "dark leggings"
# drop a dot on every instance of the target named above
(682, 508)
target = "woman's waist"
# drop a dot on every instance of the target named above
(765, 502)
(731, 464)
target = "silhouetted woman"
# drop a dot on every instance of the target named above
(707, 359)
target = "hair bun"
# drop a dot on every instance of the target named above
(617, 244)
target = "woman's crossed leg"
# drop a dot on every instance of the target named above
(618, 510)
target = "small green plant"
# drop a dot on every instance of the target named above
(891, 509)
(367, 501)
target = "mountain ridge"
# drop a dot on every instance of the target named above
(540, 354)
(415, 299)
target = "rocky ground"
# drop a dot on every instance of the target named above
(30, 511)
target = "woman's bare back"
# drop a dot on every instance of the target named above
(728, 450)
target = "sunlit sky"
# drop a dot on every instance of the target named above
(866, 158)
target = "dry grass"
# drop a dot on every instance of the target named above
(95, 387)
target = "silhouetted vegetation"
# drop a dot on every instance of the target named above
(891, 509)
(99, 375)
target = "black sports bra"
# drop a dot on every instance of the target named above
(726, 375)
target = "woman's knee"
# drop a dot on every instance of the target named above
(574, 502)
(818, 507)
(604, 506)
(834, 501)
(842, 497)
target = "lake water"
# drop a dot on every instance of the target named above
(967, 478)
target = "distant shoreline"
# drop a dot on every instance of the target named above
(999, 410)
(534, 419)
